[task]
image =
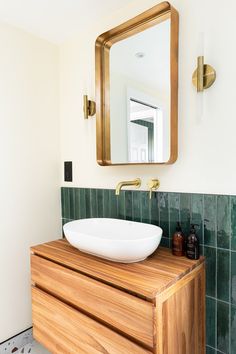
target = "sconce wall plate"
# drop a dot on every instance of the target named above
(89, 107)
(204, 76)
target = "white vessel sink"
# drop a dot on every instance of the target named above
(114, 239)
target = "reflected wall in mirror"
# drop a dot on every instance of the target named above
(136, 89)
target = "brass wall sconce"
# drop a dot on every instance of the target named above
(89, 107)
(204, 76)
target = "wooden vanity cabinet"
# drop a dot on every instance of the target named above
(84, 304)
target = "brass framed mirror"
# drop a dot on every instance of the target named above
(137, 90)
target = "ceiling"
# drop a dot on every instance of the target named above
(56, 20)
(151, 69)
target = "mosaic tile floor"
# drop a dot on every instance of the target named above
(22, 343)
(32, 348)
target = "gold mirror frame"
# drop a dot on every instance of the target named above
(104, 42)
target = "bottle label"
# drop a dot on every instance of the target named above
(192, 251)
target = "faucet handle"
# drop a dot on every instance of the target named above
(153, 185)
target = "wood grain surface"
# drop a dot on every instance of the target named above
(145, 279)
(183, 318)
(64, 330)
(127, 313)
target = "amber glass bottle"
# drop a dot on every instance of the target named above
(192, 245)
(178, 242)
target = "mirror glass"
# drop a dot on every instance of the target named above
(139, 68)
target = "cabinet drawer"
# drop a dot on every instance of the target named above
(127, 313)
(64, 330)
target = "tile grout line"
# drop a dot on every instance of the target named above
(216, 290)
(214, 298)
(170, 236)
(230, 274)
(132, 201)
(203, 223)
(179, 206)
(74, 202)
(103, 203)
(219, 351)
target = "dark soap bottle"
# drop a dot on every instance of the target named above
(192, 244)
(178, 242)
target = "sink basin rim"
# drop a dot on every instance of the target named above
(119, 221)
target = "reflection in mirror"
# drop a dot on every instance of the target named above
(140, 97)
(141, 126)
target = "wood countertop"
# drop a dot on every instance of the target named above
(145, 279)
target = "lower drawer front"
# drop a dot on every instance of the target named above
(64, 330)
(127, 313)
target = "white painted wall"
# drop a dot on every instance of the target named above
(207, 146)
(29, 178)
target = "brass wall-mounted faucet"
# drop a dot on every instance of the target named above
(153, 185)
(136, 183)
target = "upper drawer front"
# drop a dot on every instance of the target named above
(64, 330)
(125, 312)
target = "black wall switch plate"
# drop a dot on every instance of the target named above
(68, 171)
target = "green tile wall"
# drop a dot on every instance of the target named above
(216, 217)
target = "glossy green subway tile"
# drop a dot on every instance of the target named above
(62, 202)
(72, 203)
(136, 206)
(197, 214)
(209, 212)
(87, 203)
(210, 254)
(100, 203)
(233, 278)
(121, 205)
(77, 203)
(233, 222)
(93, 203)
(154, 212)
(223, 221)
(185, 205)
(67, 203)
(174, 210)
(106, 203)
(223, 265)
(164, 213)
(165, 242)
(128, 205)
(82, 203)
(233, 329)
(223, 327)
(145, 207)
(113, 203)
(201, 247)
(211, 322)
(210, 350)
(63, 222)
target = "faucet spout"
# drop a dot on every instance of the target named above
(136, 183)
